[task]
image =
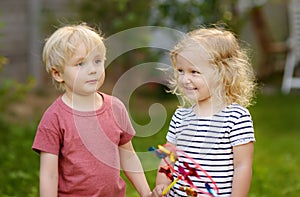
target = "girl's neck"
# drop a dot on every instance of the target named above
(209, 108)
(78, 102)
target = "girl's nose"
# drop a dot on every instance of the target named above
(186, 79)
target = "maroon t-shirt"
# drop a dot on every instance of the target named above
(87, 146)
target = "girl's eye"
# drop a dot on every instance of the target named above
(195, 72)
(179, 70)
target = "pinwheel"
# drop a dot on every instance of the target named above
(184, 172)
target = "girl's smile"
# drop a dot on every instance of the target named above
(194, 74)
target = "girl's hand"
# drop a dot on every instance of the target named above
(158, 190)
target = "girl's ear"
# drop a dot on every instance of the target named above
(56, 75)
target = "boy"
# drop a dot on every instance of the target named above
(84, 137)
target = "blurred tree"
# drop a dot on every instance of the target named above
(115, 15)
(270, 49)
(187, 15)
(190, 14)
(11, 90)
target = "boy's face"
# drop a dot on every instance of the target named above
(195, 74)
(84, 73)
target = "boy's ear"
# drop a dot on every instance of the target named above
(56, 75)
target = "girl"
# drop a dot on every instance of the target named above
(214, 75)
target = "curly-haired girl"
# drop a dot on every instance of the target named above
(213, 74)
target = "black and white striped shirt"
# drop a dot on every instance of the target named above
(209, 141)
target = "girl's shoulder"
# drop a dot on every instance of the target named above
(236, 109)
(235, 113)
(183, 113)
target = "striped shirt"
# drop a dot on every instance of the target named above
(208, 141)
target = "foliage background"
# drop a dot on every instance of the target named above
(276, 116)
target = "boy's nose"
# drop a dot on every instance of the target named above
(92, 69)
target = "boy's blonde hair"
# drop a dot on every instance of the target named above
(63, 43)
(231, 63)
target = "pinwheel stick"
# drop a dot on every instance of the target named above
(169, 187)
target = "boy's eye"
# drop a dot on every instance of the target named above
(98, 61)
(80, 64)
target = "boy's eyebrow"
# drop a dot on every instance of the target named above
(78, 59)
(100, 56)
(81, 58)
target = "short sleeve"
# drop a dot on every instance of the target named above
(171, 135)
(242, 131)
(47, 138)
(121, 117)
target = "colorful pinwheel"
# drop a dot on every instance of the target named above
(184, 172)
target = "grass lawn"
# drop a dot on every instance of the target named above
(276, 168)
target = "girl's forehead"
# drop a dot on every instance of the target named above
(195, 58)
(194, 55)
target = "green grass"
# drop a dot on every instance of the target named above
(276, 159)
(276, 167)
(19, 165)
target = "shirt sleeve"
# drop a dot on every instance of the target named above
(121, 116)
(171, 135)
(47, 138)
(242, 131)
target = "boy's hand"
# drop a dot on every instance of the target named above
(158, 190)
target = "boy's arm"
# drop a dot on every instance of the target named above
(48, 174)
(133, 169)
(242, 159)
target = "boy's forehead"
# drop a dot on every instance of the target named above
(83, 52)
(89, 48)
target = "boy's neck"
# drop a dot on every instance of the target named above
(77, 102)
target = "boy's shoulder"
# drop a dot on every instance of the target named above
(112, 101)
(54, 106)
(110, 98)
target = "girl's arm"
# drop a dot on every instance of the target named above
(242, 160)
(48, 174)
(162, 181)
(133, 169)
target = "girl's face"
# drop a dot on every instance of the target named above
(195, 75)
(84, 73)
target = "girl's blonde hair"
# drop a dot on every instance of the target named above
(63, 43)
(231, 63)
